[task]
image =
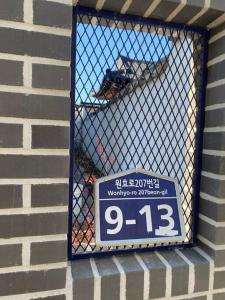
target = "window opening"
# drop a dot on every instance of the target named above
(138, 101)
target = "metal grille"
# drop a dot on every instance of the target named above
(137, 102)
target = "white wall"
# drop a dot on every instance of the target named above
(133, 128)
(79, 116)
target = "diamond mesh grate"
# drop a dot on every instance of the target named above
(137, 104)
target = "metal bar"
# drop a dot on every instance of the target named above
(72, 128)
(136, 250)
(148, 21)
(199, 139)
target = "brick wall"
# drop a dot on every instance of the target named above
(34, 139)
(212, 203)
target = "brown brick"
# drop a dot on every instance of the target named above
(10, 196)
(216, 235)
(11, 10)
(34, 106)
(199, 298)
(219, 282)
(216, 48)
(52, 14)
(11, 72)
(218, 256)
(218, 4)
(110, 278)
(56, 297)
(157, 274)
(135, 8)
(33, 224)
(213, 187)
(35, 166)
(208, 17)
(212, 210)
(11, 135)
(48, 252)
(215, 95)
(179, 272)
(213, 164)
(220, 296)
(215, 117)
(134, 276)
(51, 77)
(201, 269)
(89, 3)
(214, 140)
(83, 280)
(10, 255)
(188, 12)
(115, 5)
(50, 137)
(216, 72)
(219, 28)
(34, 43)
(194, 3)
(49, 195)
(164, 9)
(32, 281)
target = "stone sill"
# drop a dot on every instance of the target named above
(158, 274)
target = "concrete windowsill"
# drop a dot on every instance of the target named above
(157, 274)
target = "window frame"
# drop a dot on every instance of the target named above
(200, 123)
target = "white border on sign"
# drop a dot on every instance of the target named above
(163, 239)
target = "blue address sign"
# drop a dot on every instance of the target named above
(137, 207)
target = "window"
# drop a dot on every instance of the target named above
(138, 90)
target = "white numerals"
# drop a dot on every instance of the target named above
(118, 220)
(114, 216)
(166, 230)
(147, 211)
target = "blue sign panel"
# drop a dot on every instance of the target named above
(136, 207)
